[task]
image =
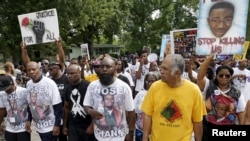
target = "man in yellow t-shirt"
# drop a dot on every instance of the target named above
(173, 106)
(93, 77)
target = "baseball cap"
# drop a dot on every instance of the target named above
(55, 63)
(5, 82)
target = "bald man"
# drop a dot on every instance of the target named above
(48, 117)
(120, 97)
(76, 122)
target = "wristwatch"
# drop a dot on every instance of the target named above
(131, 132)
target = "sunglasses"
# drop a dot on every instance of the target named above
(224, 76)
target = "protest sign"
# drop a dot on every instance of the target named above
(221, 27)
(165, 46)
(85, 50)
(39, 27)
(242, 56)
(183, 41)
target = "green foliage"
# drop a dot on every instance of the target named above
(122, 22)
(144, 30)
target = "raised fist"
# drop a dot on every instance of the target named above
(39, 30)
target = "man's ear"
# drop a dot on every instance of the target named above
(177, 73)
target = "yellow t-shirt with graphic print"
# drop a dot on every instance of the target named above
(173, 110)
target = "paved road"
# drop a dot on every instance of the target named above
(34, 134)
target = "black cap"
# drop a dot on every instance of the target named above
(5, 82)
(55, 63)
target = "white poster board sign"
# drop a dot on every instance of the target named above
(85, 50)
(39, 27)
(164, 48)
(222, 27)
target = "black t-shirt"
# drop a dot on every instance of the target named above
(74, 94)
(61, 83)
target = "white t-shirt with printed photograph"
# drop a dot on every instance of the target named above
(139, 98)
(140, 82)
(41, 98)
(16, 107)
(112, 101)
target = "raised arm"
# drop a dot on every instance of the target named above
(25, 56)
(201, 78)
(138, 73)
(190, 71)
(61, 55)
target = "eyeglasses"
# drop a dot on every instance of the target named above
(217, 20)
(44, 63)
(224, 75)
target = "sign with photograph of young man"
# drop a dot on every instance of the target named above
(222, 27)
(39, 27)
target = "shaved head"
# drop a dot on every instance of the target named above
(33, 71)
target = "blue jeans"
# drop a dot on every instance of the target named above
(138, 135)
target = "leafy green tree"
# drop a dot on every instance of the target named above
(144, 30)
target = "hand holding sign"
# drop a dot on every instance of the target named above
(39, 30)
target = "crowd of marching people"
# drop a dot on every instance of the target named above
(126, 98)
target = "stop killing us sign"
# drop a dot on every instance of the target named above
(221, 27)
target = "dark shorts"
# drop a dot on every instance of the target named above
(22, 136)
(48, 136)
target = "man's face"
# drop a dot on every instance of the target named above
(243, 63)
(144, 57)
(33, 97)
(220, 20)
(166, 70)
(108, 101)
(107, 71)
(44, 65)
(33, 71)
(53, 70)
(73, 74)
(74, 61)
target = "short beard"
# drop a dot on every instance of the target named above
(106, 79)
